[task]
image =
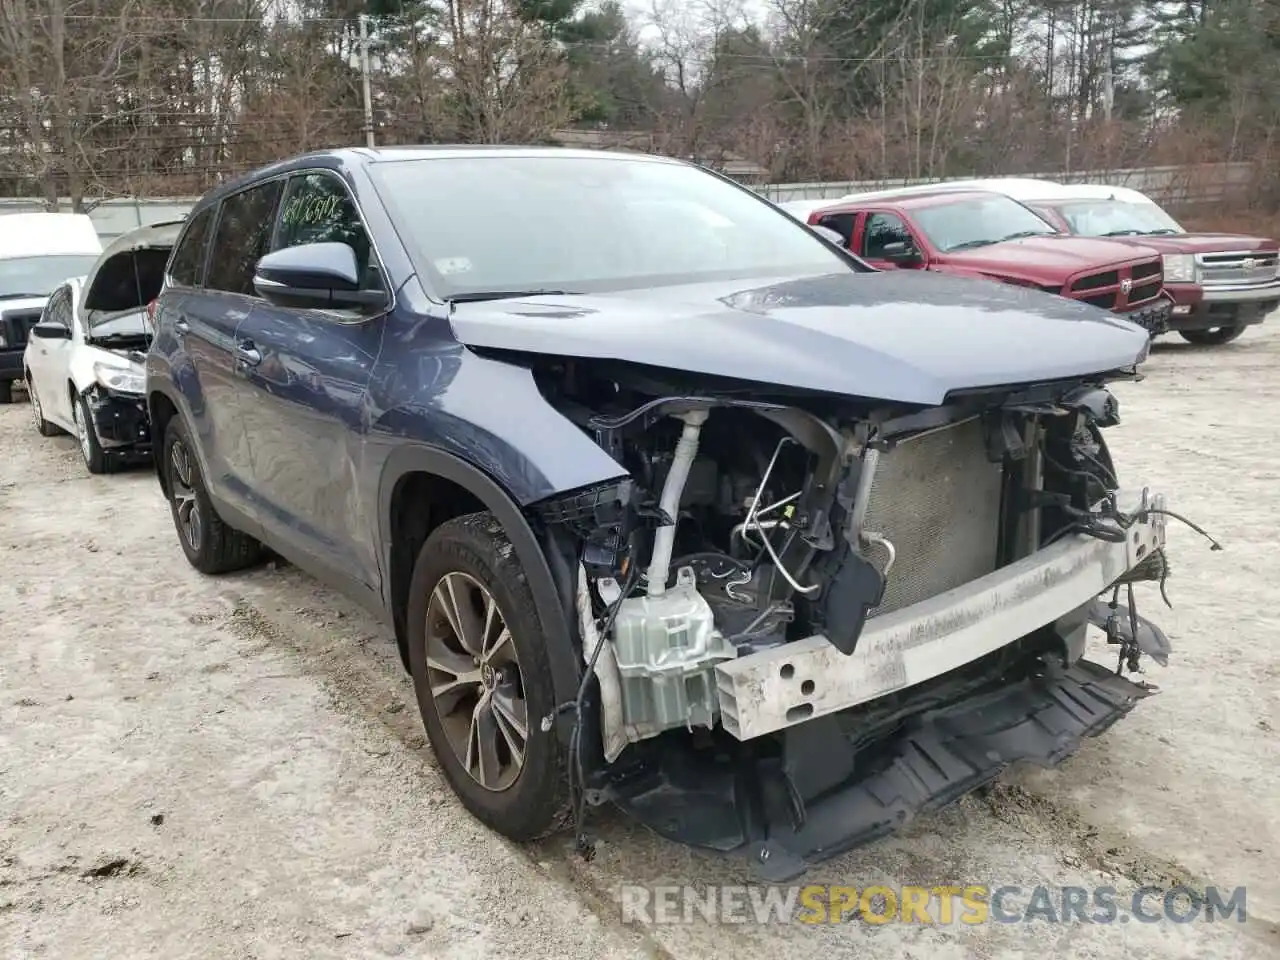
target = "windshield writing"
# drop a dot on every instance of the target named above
(38, 276)
(970, 223)
(584, 224)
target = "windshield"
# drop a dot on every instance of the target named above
(493, 225)
(118, 325)
(37, 276)
(978, 222)
(1116, 218)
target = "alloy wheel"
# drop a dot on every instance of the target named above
(182, 492)
(82, 429)
(476, 685)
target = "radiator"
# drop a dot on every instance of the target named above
(936, 497)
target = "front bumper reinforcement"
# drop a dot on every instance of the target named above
(785, 686)
(950, 753)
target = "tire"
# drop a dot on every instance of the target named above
(473, 556)
(210, 545)
(87, 435)
(43, 426)
(1215, 337)
(6, 391)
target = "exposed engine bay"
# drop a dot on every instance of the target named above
(729, 592)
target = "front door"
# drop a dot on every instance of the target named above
(305, 414)
(208, 318)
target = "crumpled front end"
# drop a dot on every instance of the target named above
(809, 619)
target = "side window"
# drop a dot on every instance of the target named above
(242, 237)
(318, 209)
(841, 223)
(57, 308)
(188, 257)
(882, 229)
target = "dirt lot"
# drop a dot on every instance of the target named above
(233, 767)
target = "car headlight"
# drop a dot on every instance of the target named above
(1179, 268)
(119, 379)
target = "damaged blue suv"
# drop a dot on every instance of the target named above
(671, 503)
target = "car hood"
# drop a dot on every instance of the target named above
(1059, 254)
(902, 336)
(1200, 243)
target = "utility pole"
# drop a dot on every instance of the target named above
(1109, 78)
(364, 81)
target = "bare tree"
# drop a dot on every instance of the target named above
(507, 77)
(685, 40)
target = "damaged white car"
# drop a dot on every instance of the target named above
(83, 360)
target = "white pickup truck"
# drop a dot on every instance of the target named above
(37, 252)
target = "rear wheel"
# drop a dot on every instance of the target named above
(1214, 337)
(483, 679)
(6, 391)
(43, 426)
(209, 544)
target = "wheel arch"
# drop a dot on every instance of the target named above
(481, 492)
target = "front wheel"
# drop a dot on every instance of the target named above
(6, 391)
(483, 679)
(1214, 337)
(210, 545)
(95, 458)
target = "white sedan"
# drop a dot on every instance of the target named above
(84, 358)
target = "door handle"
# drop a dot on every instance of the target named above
(248, 354)
(182, 326)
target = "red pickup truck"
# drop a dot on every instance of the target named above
(1219, 283)
(988, 235)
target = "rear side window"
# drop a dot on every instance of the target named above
(841, 223)
(188, 258)
(242, 238)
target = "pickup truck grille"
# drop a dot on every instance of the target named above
(16, 325)
(936, 497)
(1238, 268)
(1132, 286)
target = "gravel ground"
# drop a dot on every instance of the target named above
(234, 767)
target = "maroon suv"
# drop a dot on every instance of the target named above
(985, 234)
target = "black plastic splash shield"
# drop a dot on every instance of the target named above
(942, 755)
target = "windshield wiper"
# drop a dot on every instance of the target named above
(970, 244)
(509, 295)
(1162, 232)
(20, 293)
(1023, 234)
(1122, 233)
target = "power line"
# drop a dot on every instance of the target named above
(587, 45)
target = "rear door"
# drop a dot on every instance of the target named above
(307, 373)
(877, 230)
(204, 317)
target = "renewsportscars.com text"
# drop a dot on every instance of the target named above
(936, 905)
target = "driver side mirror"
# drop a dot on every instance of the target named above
(902, 253)
(315, 275)
(48, 330)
